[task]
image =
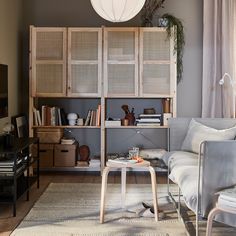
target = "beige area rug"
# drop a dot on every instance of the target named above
(67, 209)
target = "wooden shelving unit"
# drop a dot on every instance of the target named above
(103, 64)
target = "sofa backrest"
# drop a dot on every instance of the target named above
(178, 128)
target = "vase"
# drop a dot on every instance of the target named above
(147, 23)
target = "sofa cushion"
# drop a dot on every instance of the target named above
(197, 133)
(180, 158)
(187, 179)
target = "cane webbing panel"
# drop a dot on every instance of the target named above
(156, 46)
(156, 79)
(121, 79)
(49, 45)
(84, 79)
(84, 45)
(49, 78)
(121, 46)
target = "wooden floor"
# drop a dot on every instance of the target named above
(8, 223)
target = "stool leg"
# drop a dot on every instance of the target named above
(154, 191)
(103, 192)
(123, 186)
(210, 218)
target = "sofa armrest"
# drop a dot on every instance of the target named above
(217, 170)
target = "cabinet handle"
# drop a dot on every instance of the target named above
(64, 151)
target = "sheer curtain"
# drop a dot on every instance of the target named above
(219, 57)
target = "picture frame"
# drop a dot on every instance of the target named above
(20, 123)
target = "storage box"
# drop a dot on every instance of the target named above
(49, 135)
(45, 155)
(65, 155)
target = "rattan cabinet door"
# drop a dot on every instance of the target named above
(157, 63)
(121, 62)
(84, 62)
(48, 58)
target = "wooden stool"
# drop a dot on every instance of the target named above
(144, 165)
(218, 209)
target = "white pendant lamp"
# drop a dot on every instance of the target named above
(117, 10)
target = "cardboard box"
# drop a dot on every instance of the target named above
(49, 135)
(65, 155)
(46, 152)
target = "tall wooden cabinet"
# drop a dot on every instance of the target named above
(84, 62)
(101, 63)
(48, 62)
(121, 62)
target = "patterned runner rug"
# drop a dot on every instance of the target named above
(72, 209)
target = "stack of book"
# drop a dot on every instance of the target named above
(93, 117)
(67, 141)
(50, 116)
(94, 163)
(149, 119)
(82, 163)
(7, 167)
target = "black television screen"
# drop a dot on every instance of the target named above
(3, 90)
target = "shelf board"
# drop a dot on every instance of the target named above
(137, 127)
(67, 127)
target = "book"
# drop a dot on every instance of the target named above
(67, 141)
(38, 117)
(82, 163)
(91, 118)
(122, 161)
(59, 116)
(148, 124)
(148, 120)
(150, 115)
(64, 121)
(88, 118)
(98, 120)
(94, 118)
(35, 117)
(43, 112)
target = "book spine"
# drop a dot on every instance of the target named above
(39, 117)
(35, 117)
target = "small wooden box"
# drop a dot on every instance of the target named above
(45, 155)
(65, 155)
(49, 135)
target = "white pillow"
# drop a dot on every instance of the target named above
(197, 133)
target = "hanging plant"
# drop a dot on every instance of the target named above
(149, 9)
(179, 40)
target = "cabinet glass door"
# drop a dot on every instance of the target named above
(157, 63)
(48, 56)
(121, 62)
(84, 62)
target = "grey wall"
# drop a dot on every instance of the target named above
(80, 13)
(11, 52)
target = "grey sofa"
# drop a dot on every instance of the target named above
(200, 176)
